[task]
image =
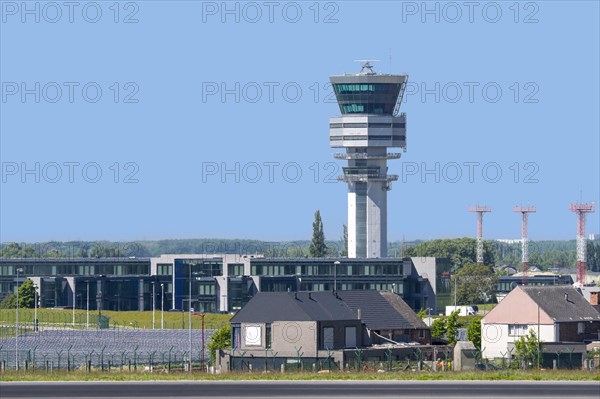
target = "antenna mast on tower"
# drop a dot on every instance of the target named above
(480, 210)
(524, 210)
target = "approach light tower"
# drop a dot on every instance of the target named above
(581, 210)
(480, 210)
(369, 124)
(525, 211)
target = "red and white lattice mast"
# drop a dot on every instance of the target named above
(480, 210)
(524, 210)
(581, 209)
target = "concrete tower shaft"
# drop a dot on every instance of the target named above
(369, 124)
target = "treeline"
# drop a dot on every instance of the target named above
(543, 254)
(104, 249)
(461, 251)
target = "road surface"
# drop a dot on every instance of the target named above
(302, 389)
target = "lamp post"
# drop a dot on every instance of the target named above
(539, 348)
(153, 303)
(190, 316)
(19, 270)
(162, 306)
(99, 304)
(74, 290)
(202, 359)
(335, 265)
(455, 290)
(87, 306)
(35, 300)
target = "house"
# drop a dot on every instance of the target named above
(318, 325)
(559, 315)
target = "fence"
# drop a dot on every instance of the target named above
(80, 319)
(129, 349)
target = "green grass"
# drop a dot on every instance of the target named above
(532, 375)
(132, 319)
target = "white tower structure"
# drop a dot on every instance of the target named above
(370, 123)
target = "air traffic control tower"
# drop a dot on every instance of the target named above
(370, 123)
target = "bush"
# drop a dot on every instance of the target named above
(221, 339)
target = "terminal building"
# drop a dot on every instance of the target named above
(216, 283)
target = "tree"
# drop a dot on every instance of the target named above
(221, 339)
(593, 256)
(460, 251)
(15, 250)
(26, 294)
(476, 284)
(446, 327)
(9, 302)
(438, 328)
(527, 350)
(26, 297)
(452, 327)
(474, 332)
(345, 240)
(317, 248)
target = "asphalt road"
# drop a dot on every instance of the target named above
(302, 389)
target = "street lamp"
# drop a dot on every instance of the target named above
(455, 289)
(202, 360)
(190, 317)
(74, 290)
(19, 270)
(87, 306)
(162, 306)
(538, 330)
(335, 265)
(35, 301)
(99, 305)
(153, 302)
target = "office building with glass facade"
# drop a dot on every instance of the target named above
(211, 282)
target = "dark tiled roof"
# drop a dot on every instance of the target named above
(562, 303)
(379, 310)
(267, 307)
(382, 310)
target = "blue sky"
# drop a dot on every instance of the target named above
(126, 130)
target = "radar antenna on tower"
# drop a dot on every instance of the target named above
(367, 68)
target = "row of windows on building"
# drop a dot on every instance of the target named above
(367, 125)
(351, 88)
(75, 269)
(520, 330)
(327, 270)
(366, 137)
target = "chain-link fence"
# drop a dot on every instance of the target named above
(105, 349)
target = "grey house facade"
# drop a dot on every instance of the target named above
(313, 326)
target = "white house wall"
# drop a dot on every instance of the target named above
(495, 338)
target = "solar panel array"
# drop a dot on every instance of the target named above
(121, 347)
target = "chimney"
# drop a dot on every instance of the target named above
(594, 297)
(295, 295)
(358, 314)
(310, 295)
